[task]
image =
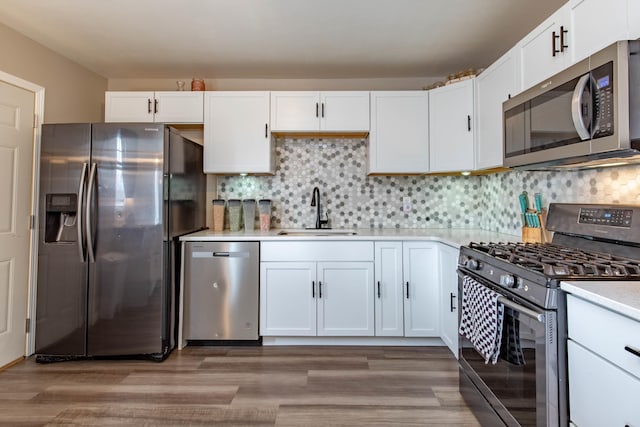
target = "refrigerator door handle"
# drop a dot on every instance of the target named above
(79, 221)
(88, 219)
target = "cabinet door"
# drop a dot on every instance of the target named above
(345, 299)
(633, 23)
(595, 24)
(600, 394)
(493, 86)
(179, 107)
(388, 289)
(129, 107)
(421, 290)
(236, 134)
(451, 122)
(536, 49)
(295, 111)
(449, 281)
(399, 136)
(344, 111)
(288, 298)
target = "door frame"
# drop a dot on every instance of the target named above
(38, 112)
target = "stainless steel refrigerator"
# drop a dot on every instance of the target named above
(114, 198)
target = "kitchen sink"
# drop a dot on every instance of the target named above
(318, 232)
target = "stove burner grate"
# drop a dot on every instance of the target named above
(554, 260)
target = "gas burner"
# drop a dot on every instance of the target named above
(556, 261)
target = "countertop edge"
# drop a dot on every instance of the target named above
(447, 236)
(621, 297)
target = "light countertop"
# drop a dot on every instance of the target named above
(449, 236)
(619, 296)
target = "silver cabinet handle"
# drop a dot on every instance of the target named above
(88, 219)
(79, 221)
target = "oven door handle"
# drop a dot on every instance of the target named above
(522, 309)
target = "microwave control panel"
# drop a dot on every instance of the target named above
(602, 79)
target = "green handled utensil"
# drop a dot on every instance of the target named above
(537, 200)
(523, 198)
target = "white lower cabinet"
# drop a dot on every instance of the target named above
(389, 300)
(330, 297)
(604, 372)
(422, 290)
(449, 303)
(287, 298)
(407, 289)
(344, 299)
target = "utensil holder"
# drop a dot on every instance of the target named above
(537, 234)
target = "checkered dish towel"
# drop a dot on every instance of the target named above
(482, 319)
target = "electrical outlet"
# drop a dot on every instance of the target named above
(406, 204)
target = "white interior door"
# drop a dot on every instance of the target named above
(16, 156)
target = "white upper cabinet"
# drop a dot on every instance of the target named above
(596, 24)
(493, 86)
(399, 136)
(633, 19)
(236, 133)
(336, 111)
(546, 50)
(451, 124)
(154, 107)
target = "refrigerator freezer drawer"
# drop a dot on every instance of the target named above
(221, 291)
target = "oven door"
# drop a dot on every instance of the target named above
(522, 387)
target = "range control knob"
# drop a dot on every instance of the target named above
(507, 280)
(472, 264)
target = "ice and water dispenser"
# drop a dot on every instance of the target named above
(61, 218)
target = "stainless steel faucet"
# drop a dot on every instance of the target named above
(315, 201)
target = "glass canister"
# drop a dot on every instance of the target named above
(218, 214)
(249, 214)
(234, 206)
(264, 207)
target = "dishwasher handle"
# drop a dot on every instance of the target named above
(220, 254)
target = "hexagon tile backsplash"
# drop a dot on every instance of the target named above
(353, 199)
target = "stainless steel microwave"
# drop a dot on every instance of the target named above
(587, 115)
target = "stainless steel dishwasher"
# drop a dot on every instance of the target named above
(221, 291)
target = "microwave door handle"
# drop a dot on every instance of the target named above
(576, 107)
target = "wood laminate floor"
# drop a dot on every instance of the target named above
(242, 386)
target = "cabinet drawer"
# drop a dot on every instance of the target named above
(600, 394)
(316, 251)
(604, 332)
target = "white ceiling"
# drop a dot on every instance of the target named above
(277, 38)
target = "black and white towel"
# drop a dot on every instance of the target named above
(511, 349)
(482, 318)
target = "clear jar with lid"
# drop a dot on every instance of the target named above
(218, 214)
(234, 206)
(249, 214)
(264, 207)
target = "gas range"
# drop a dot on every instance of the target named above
(590, 242)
